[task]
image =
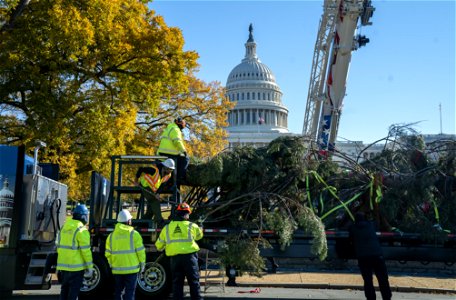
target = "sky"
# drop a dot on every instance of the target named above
(403, 75)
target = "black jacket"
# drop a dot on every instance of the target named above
(365, 239)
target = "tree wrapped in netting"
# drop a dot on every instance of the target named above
(256, 188)
(418, 183)
(287, 186)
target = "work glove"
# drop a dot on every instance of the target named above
(200, 222)
(88, 273)
(142, 266)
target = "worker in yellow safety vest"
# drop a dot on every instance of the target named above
(178, 238)
(74, 257)
(172, 146)
(126, 256)
(150, 179)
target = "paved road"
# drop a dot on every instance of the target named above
(233, 293)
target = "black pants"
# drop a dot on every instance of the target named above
(127, 282)
(153, 205)
(370, 265)
(185, 266)
(71, 284)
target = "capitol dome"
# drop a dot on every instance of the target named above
(5, 192)
(259, 108)
(250, 70)
(6, 212)
(6, 203)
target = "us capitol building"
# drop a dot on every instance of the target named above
(259, 115)
(6, 212)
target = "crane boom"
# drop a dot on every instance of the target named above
(336, 40)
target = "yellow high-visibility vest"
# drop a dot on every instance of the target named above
(73, 247)
(153, 181)
(179, 237)
(125, 250)
(171, 141)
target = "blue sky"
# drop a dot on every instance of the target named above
(402, 76)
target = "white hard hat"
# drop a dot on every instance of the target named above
(169, 163)
(124, 216)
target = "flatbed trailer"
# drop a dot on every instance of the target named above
(156, 280)
(106, 201)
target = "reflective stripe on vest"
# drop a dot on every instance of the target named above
(125, 268)
(71, 256)
(188, 239)
(129, 251)
(73, 243)
(132, 246)
(168, 147)
(122, 251)
(74, 266)
(154, 181)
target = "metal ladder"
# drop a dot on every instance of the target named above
(36, 270)
(214, 273)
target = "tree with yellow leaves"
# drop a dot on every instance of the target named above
(204, 108)
(98, 78)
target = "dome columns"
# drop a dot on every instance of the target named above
(258, 116)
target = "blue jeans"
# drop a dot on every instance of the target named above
(71, 284)
(127, 282)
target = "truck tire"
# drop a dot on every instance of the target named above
(155, 282)
(101, 280)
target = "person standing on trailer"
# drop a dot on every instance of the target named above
(126, 256)
(178, 238)
(150, 179)
(74, 257)
(172, 146)
(370, 257)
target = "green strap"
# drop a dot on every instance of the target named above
(308, 193)
(322, 204)
(371, 192)
(343, 204)
(379, 193)
(436, 211)
(332, 190)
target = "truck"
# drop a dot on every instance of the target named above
(32, 211)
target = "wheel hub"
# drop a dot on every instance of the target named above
(91, 283)
(153, 278)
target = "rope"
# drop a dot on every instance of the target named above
(254, 291)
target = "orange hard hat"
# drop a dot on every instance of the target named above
(184, 207)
